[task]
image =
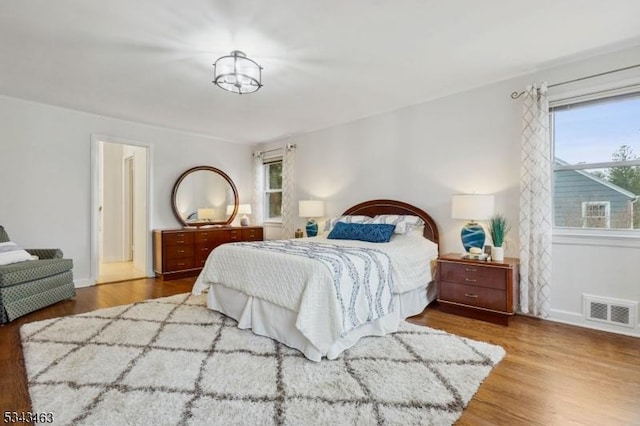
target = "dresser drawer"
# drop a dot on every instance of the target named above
(235, 235)
(472, 295)
(179, 251)
(181, 263)
(205, 236)
(177, 238)
(252, 234)
(470, 274)
(202, 253)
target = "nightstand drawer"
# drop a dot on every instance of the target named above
(481, 297)
(471, 274)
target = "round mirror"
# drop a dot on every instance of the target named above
(203, 196)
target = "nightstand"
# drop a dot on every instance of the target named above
(478, 289)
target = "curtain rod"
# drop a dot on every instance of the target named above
(287, 146)
(516, 95)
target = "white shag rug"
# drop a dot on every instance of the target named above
(172, 361)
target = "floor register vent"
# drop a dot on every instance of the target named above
(610, 311)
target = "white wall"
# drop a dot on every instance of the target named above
(467, 142)
(45, 173)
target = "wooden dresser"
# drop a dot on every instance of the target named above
(179, 253)
(478, 289)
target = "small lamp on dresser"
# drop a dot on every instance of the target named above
(244, 210)
(311, 209)
(472, 207)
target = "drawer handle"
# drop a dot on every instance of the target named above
(470, 269)
(180, 251)
(473, 296)
(471, 280)
(180, 242)
(180, 264)
(179, 235)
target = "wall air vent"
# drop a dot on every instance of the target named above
(610, 311)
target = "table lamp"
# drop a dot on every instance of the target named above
(206, 214)
(311, 209)
(244, 210)
(472, 207)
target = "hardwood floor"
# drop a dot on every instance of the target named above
(553, 374)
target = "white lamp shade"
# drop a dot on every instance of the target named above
(472, 206)
(244, 209)
(229, 210)
(311, 208)
(206, 214)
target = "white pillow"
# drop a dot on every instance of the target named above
(330, 223)
(403, 223)
(11, 253)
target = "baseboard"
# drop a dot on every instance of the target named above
(573, 318)
(84, 282)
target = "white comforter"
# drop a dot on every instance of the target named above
(305, 285)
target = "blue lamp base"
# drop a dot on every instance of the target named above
(312, 228)
(472, 235)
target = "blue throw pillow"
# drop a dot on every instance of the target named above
(373, 233)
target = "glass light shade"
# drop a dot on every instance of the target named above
(472, 206)
(311, 208)
(238, 74)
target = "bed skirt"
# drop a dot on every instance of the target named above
(270, 320)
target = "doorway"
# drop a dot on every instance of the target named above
(121, 211)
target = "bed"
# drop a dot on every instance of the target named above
(322, 295)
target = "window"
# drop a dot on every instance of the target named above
(273, 191)
(596, 170)
(596, 214)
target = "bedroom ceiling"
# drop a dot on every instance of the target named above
(325, 62)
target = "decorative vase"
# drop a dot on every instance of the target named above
(472, 235)
(497, 254)
(312, 228)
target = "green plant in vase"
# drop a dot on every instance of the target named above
(498, 229)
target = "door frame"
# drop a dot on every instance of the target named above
(128, 214)
(95, 201)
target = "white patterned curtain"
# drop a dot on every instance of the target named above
(535, 204)
(257, 192)
(288, 188)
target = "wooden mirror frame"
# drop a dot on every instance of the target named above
(174, 192)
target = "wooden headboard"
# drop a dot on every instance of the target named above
(375, 207)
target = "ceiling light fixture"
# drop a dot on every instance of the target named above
(237, 73)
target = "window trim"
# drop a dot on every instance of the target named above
(602, 237)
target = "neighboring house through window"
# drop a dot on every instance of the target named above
(596, 173)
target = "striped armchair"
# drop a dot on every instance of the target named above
(33, 284)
